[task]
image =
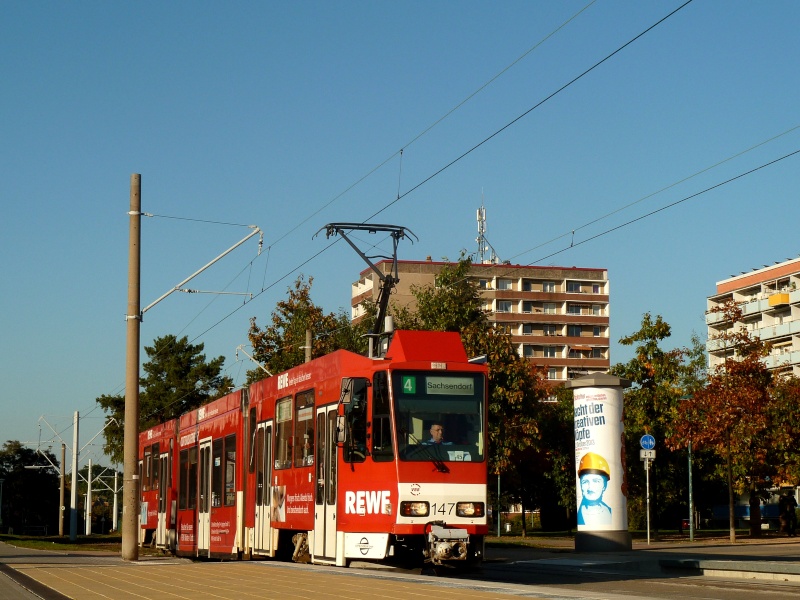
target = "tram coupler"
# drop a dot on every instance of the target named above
(446, 543)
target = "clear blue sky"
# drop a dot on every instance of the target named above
(268, 113)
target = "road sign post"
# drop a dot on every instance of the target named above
(647, 454)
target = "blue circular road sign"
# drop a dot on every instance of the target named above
(648, 442)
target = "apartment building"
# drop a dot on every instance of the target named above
(558, 317)
(770, 302)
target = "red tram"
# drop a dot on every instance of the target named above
(329, 462)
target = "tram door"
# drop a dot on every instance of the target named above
(325, 496)
(204, 509)
(163, 498)
(262, 543)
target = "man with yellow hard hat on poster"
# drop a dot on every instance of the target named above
(593, 473)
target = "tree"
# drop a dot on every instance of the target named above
(515, 388)
(281, 345)
(30, 496)
(177, 379)
(649, 407)
(735, 416)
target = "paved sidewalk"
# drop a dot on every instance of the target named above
(92, 575)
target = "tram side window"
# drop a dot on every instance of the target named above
(355, 446)
(304, 429)
(230, 470)
(283, 433)
(148, 467)
(191, 477)
(381, 419)
(156, 458)
(183, 465)
(252, 420)
(216, 472)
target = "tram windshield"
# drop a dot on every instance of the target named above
(440, 416)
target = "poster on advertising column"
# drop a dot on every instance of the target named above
(599, 459)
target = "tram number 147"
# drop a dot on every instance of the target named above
(445, 508)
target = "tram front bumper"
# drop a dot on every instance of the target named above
(446, 544)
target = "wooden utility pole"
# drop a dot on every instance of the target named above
(130, 486)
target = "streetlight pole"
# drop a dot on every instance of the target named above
(130, 485)
(691, 497)
(61, 491)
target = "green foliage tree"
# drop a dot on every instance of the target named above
(177, 379)
(454, 304)
(649, 407)
(281, 345)
(30, 496)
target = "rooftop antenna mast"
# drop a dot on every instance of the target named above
(483, 244)
(388, 280)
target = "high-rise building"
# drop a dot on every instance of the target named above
(558, 317)
(770, 303)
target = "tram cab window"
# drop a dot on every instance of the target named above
(283, 433)
(453, 401)
(355, 445)
(304, 429)
(381, 435)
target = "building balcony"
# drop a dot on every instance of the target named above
(774, 361)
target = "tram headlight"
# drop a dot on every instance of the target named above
(414, 509)
(470, 509)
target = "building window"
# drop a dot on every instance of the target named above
(505, 284)
(549, 329)
(503, 327)
(549, 308)
(483, 284)
(549, 286)
(574, 330)
(595, 288)
(527, 285)
(597, 331)
(527, 306)
(597, 353)
(527, 329)
(552, 373)
(573, 309)
(550, 352)
(504, 306)
(597, 310)
(573, 287)
(527, 351)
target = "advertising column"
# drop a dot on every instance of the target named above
(601, 489)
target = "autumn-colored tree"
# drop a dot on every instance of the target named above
(733, 416)
(281, 345)
(785, 413)
(177, 379)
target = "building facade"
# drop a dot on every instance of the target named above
(770, 302)
(558, 317)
